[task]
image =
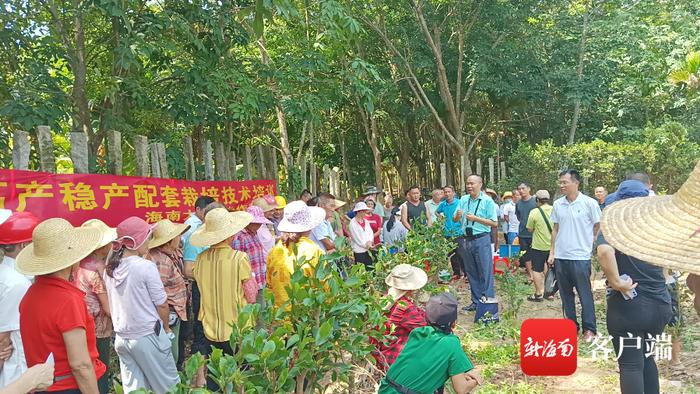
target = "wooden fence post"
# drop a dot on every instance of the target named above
(208, 164)
(79, 152)
(443, 174)
(141, 154)
(233, 165)
(248, 169)
(503, 171)
(478, 167)
(492, 179)
(314, 179)
(326, 177)
(46, 154)
(302, 166)
(462, 173)
(220, 162)
(190, 168)
(335, 181)
(114, 152)
(163, 155)
(155, 161)
(21, 147)
(261, 161)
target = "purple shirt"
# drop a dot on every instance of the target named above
(134, 290)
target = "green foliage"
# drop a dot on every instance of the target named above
(425, 247)
(513, 288)
(322, 331)
(664, 152)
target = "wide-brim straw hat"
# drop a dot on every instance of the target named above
(220, 224)
(56, 245)
(404, 278)
(109, 234)
(661, 230)
(338, 204)
(300, 218)
(165, 231)
(263, 204)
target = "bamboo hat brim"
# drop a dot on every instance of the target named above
(56, 245)
(109, 234)
(660, 230)
(165, 231)
(403, 278)
(220, 224)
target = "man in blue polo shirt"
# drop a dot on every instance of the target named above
(453, 229)
(477, 213)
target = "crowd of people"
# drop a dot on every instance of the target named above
(143, 290)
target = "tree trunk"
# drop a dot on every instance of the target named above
(346, 164)
(579, 75)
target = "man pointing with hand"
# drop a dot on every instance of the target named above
(478, 213)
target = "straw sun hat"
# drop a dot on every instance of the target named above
(220, 224)
(165, 231)
(404, 278)
(56, 245)
(109, 234)
(661, 230)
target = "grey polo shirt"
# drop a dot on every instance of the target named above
(576, 220)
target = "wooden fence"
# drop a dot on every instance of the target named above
(218, 161)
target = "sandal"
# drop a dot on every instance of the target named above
(535, 298)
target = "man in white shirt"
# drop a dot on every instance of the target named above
(576, 219)
(511, 219)
(15, 235)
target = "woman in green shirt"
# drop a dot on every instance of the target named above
(432, 355)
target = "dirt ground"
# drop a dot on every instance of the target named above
(598, 376)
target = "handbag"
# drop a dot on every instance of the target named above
(550, 284)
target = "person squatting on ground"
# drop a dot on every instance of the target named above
(478, 214)
(140, 311)
(576, 219)
(403, 314)
(432, 355)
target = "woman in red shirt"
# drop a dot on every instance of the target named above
(375, 221)
(54, 319)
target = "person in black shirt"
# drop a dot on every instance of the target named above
(522, 210)
(639, 305)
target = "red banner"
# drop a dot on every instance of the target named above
(111, 198)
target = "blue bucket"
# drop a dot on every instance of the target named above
(509, 250)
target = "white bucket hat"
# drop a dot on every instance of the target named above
(361, 206)
(404, 278)
(300, 218)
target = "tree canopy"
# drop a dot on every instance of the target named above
(385, 90)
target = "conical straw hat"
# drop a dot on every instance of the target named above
(220, 224)
(403, 278)
(56, 245)
(109, 234)
(661, 230)
(165, 231)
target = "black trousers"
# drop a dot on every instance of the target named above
(642, 317)
(455, 259)
(365, 259)
(199, 341)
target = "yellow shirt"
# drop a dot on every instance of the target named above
(280, 265)
(541, 236)
(220, 272)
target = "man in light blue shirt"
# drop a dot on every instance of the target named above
(576, 219)
(478, 213)
(453, 229)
